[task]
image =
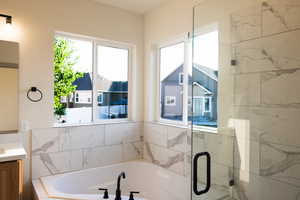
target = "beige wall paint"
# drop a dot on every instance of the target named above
(34, 26)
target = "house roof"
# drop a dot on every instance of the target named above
(213, 74)
(84, 83)
(117, 86)
(208, 71)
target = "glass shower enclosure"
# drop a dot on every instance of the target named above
(212, 153)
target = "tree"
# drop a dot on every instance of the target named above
(64, 74)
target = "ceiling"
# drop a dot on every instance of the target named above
(137, 6)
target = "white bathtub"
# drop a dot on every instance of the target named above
(153, 183)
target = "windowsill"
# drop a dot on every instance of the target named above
(195, 128)
(106, 122)
(177, 125)
(205, 129)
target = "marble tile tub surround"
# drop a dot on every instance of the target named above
(267, 101)
(167, 146)
(58, 150)
(170, 147)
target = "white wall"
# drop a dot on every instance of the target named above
(36, 21)
(34, 25)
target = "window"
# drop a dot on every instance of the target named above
(170, 101)
(91, 80)
(171, 89)
(207, 104)
(112, 74)
(180, 78)
(205, 78)
(100, 98)
(201, 73)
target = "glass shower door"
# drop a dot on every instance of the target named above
(212, 145)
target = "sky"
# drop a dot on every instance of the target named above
(113, 62)
(206, 53)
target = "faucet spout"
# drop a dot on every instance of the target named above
(118, 191)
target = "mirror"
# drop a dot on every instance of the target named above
(9, 86)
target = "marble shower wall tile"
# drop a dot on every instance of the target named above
(220, 176)
(267, 113)
(281, 87)
(247, 89)
(58, 150)
(280, 162)
(280, 15)
(246, 24)
(251, 186)
(219, 146)
(277, 125)
(276, 52)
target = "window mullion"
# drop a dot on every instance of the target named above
(94, 95)
(187, 65)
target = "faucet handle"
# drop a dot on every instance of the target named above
(105, 195)
(131, 195)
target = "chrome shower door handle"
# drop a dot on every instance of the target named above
(195, 174)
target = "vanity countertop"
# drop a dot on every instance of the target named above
(10, 152)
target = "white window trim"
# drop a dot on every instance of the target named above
(188, 61)
(187, 54)
(131, 61)
(130, 57)
(200, 31)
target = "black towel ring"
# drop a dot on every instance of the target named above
(34, 89)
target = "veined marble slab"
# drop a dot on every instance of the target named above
(246, 24)
(247, 89)
(220, 147)
(58, 150)
(281, 87)
(280, 162)
(277, 125)
(280, 15)
(250, 186)
(165, 158)
(276, 52)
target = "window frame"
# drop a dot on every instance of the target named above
(187, 53)
(187, 38)
(131, 61)
(201, 31)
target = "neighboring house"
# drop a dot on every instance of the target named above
(113, 99)
(82, 97)
(112, 96)
(205, 90)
